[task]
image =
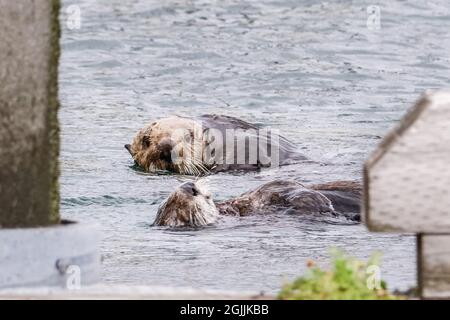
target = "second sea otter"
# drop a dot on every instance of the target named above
(191, 205)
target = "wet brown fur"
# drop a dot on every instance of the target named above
(339, 198)
(145, 146)
(145, 152)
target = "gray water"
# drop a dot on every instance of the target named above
(314, 71)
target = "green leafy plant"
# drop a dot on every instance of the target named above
(349, 279)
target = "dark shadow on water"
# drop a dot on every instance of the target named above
(135, 167)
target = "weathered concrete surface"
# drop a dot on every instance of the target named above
(434, 266)
(29, 138)
(131, 292)
(65, 256)
(406, 188)
(407, 178)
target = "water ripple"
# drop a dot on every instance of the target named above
(311, 69)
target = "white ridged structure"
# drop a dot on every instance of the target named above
(63, 256)
(407, 188)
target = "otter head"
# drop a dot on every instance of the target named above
(174, 144)
(190, 205)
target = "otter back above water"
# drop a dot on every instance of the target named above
(254, 147)
(338, 198)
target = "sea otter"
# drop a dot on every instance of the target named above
(191, 205)
(209, 144)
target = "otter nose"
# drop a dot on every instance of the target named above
(165, 148)
(190, 188)
(128, 147)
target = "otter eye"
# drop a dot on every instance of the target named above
(146, 142)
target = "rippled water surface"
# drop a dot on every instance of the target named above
(314, 71)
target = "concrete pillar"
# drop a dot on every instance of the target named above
(406, 188)
(29, 136)
(434, 266)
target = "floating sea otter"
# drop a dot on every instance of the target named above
(191, 205)
(210, 143)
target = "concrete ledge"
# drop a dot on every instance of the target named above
(64, 255)
(121, 292)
